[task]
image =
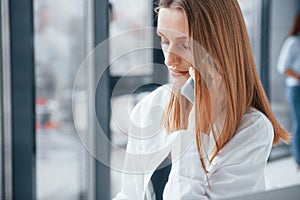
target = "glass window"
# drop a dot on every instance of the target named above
(252, 16)
(128, 57)
(280, 26)
(60, 47)
(279, 29)
(127, 16)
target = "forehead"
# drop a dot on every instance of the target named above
(172, 22)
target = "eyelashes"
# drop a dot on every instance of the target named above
(164, 44)
(179, 46)
(187, 47)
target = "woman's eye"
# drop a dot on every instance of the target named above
(164, 44)
(186, 47)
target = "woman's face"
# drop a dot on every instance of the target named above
(175, 42)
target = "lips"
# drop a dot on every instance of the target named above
(176, 73)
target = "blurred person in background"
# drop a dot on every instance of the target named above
(289, 65)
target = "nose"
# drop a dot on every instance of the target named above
(172, 59)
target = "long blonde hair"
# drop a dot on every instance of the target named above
(218, 26)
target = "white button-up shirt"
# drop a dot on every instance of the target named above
(237, 169)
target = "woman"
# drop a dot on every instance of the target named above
(219, 145)
(289, 64)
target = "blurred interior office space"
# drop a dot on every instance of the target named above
(71, 71)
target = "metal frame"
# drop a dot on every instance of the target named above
(265, 45)
(22, 99)
(6, 103)
(160, 75)
(91, 180)
(102, 98)
(1, 111)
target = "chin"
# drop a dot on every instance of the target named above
(178, 82)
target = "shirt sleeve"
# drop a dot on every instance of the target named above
(187, 177)
(146, 147)
(132, 183)
(287, 55)
(132, 178)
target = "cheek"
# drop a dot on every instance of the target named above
(187, 57)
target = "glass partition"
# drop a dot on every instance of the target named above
(252, 16)
(126, 16)
(60, 48)
(133, 65)
(279, 25)
(281, 154)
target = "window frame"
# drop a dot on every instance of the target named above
(18, 100)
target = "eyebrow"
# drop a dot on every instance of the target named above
(179, 38)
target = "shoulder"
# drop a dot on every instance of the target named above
(159, 95)
(253, 121)
(255, 131)
(242, 160)
(157, 98)
(255, 127)
(291, 41)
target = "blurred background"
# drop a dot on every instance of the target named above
(51, 93)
